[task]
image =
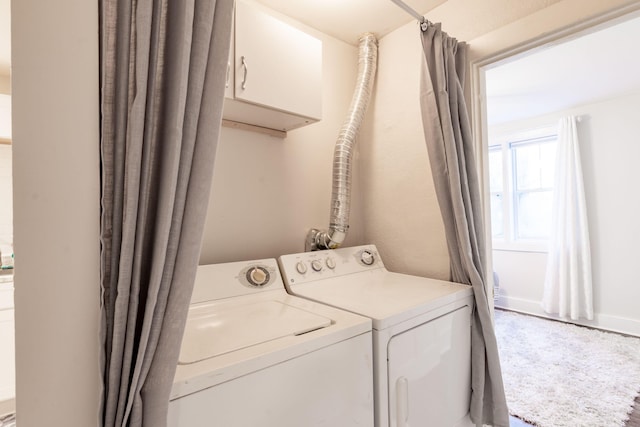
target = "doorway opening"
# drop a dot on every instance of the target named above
(595, 77)
(592, 75)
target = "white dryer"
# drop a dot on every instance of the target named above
(253, 355)
(421, 332)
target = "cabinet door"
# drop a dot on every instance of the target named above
(430, 372)
(276, 65)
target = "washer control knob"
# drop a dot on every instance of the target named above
(330, 263)
(367, 257)
(301, 267)
(316, 265)
(258, 276)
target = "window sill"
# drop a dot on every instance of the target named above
(520, 247)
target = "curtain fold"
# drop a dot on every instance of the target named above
(450, 146)
(568, 286)
(163, 69)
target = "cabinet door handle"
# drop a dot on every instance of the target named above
(402, 402)
(246, 71)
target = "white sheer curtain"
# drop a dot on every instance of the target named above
(568, 288)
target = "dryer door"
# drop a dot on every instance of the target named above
(429, 370)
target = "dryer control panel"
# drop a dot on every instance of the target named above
(318, 265)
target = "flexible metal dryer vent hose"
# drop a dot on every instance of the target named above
(343, 153)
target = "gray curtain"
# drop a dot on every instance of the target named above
(163, 69)
(450, 147)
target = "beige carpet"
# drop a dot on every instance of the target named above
(558, 374)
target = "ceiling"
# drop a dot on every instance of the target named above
(599, 65)
(347, 20)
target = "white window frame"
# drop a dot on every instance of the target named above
(508, 242)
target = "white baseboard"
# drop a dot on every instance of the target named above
(600, 321)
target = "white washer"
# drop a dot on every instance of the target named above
(421, 332)
(253, 355)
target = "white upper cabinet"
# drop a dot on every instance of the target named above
(275, 76)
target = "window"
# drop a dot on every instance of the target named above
(521, 176)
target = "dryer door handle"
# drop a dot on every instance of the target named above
(402, 402)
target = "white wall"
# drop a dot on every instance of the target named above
(608, 134)
(56, 211)
(268, 192)
(401, 214)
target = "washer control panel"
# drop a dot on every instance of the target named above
(219, 281)
(311, 266)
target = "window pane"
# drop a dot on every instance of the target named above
(534, 164)
(547, 164)
(533, 215)
(495, 169)
(497, 221)
(527, 165)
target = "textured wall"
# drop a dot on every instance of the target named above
(56, 180)
(401, 214)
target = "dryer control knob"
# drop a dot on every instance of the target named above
(330, 263)
(258, 276)
(316, 265)
(301, 267)
(367, 257)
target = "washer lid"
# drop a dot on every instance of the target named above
(212, 330)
